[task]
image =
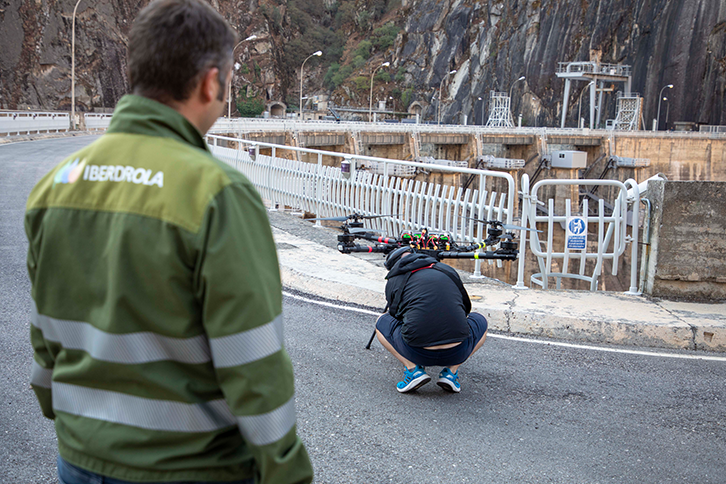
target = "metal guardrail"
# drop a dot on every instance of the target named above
(241, 126)
(16, 123)
(95, 121)
(21, 122)
(408, 204)
(712, 129)
(593, 68)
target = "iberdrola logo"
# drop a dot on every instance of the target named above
(70, 172)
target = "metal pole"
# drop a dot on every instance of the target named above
(73, 69)
(660, 96)
(370, 97)
(579, 102)
(482, 110)
(318, 53)
(668, 108)
(229, 99)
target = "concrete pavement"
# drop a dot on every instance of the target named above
(310, 263)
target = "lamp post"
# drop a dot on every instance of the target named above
(370, 98)
(73, 69)
(660, 97)
(510, 98)
(579, 103)
(229, 97)
(318, 54)
(482, 110)
(441, 98)
(668, 107)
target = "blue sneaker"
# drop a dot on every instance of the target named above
(413, 379)
(449, 381)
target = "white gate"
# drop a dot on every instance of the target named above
(609, 243)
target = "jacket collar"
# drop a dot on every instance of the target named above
(141, 115)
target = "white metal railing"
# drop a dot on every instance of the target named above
(593, 68)
(711, 129)
(609, 244)
(261, 125)
(32, 122)
(20, 122)
(407, 204)
(97, 121)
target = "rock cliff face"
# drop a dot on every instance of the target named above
(35, 58)
(491, 43)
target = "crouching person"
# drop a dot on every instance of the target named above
(429, 320)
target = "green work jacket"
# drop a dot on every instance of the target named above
(157, 310)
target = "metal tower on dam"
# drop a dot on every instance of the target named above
(597, 75)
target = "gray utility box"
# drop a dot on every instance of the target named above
(569, 159)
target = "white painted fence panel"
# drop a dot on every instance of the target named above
(16, 123)
(404, 203)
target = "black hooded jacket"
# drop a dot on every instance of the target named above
(429, 299)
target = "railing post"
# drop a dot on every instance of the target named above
(634, 236)
(524, 185)
(319, 188)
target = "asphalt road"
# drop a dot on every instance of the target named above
(527, 413)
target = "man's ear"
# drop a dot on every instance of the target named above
(209, 86)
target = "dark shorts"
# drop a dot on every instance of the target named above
(390, 328)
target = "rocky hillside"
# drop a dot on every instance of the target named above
(490, 43)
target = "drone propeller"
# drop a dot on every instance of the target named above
(354, 216)
(334, 219)
(361, 230)
(503, 225)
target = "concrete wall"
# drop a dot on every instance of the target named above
(688, 240)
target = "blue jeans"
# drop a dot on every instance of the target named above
(390, 328)
(70, 474)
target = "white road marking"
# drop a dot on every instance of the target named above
(535, 341)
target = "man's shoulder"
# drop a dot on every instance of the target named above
(159, 177)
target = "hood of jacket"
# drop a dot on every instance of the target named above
(410, 262)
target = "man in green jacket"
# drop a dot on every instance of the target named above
(157, 302)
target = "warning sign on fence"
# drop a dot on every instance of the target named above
(576, 233)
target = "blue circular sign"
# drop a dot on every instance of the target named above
(577, 226)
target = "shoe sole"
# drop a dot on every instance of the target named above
(415, 384)
(448, 386)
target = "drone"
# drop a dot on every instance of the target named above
(500, 239)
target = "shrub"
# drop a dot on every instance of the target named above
(363, 21)
(361, 83)
(249, 107)
(363, 49)
(383, 37)
(383, 76)
(341, 75)
(358, 62)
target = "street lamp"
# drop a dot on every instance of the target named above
(511, 118)
(482, 110)
(579, 103)
(73, 69)
(229, 98)
(318, 53)
(660, 96)
(510, 89)
(441, 98)
(370, 98)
